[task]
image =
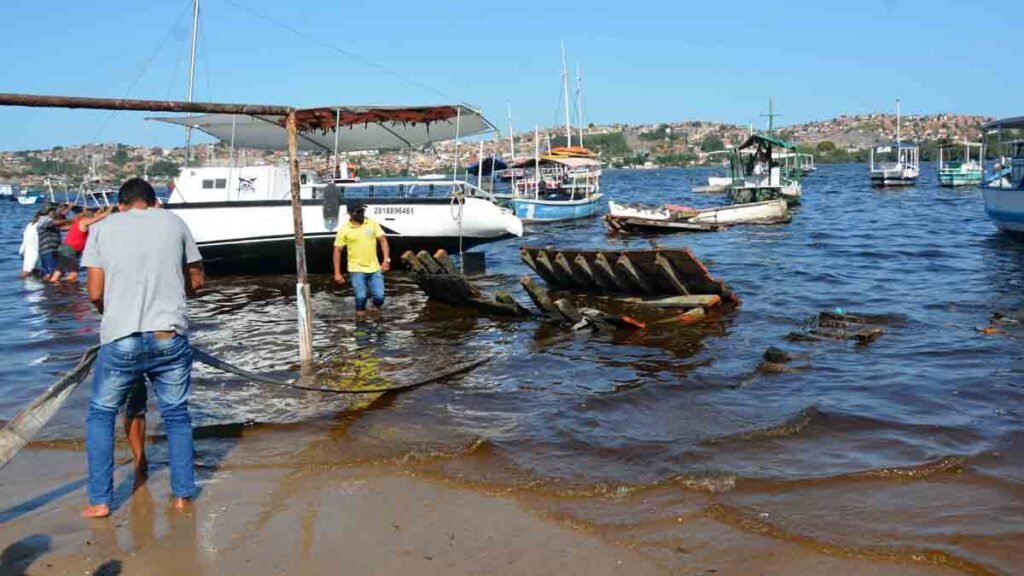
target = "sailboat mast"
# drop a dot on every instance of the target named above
(511, 134)
(579, 101)
(192, 77)
(565, 93)
(898, 122)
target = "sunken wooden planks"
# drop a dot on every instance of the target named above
(440, 280)
(648, 273)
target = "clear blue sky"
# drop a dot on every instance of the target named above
(660, 60)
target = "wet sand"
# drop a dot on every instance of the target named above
(373, 520)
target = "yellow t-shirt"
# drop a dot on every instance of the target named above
(361, 243)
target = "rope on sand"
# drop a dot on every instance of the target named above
(209, 360)
(24, 427)
(20, 431)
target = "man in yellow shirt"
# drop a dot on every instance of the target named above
(360, 236)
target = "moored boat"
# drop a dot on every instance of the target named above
(957, 171)
(758, 176)
(896, 164)
(683, 218)
(241, 216)
(1005, 204)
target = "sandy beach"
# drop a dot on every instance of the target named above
(380, 519)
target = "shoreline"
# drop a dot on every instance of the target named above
(358, 520)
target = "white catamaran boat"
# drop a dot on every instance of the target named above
(241, 216)
(897, 164)
(1004, 203)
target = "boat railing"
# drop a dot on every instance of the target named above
(406, 189)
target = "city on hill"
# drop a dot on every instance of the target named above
(688, 143)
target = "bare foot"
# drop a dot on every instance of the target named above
(179, 503)
(141, 475)
(96, 511)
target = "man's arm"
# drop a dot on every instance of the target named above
(195, 278)
(338, 276)
(84, 223)
(386, 250)
(95, 284)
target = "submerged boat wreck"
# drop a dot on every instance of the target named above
(652, 274)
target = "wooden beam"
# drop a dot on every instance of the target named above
(429, 263)
(524, 254)
(603, 266)
(705, 301)
(568, 311)
(562, 263)
(543, 262)
(410, 258)
(587, 272)
(540, 298)
(41, 101)
(305, 307)
(442, 258)
(507, 299)
(669, 273)
(634, 275)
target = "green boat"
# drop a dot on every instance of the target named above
(957, 170)
(766, 167)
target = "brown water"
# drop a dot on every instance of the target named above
(910, 448)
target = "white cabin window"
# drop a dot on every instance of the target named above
(221, 183)
(207, 184)
(303, 179)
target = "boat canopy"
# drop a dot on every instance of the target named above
(1015, 123)
(896, 146)
(490, 164)
(362, 127)
(571, 161)
(757, 139)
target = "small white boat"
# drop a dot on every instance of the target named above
(28, 200)
(431, 177)
(716, 185)
(896, 164)
(625, 217)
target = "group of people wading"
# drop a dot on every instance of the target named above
(142, 264)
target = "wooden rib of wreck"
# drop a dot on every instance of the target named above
(654, 275)
(439, 279)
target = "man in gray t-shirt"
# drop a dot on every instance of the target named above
(142, 263)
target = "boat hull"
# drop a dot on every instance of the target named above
(960, 178)
(257, 237)
(1006, 209)
(534, 211)
(792, 194)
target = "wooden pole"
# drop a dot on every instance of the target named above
(301, 287)
(40, 101)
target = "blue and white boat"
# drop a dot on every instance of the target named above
(1004, 199)
(566, 182)
(561, 188)
(896, 164)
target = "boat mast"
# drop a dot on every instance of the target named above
(192, 78)
(536, 162)
(511, 134)
(579, 101)
(565, 93)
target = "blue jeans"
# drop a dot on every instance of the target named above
(360, 282)
(119, 367)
